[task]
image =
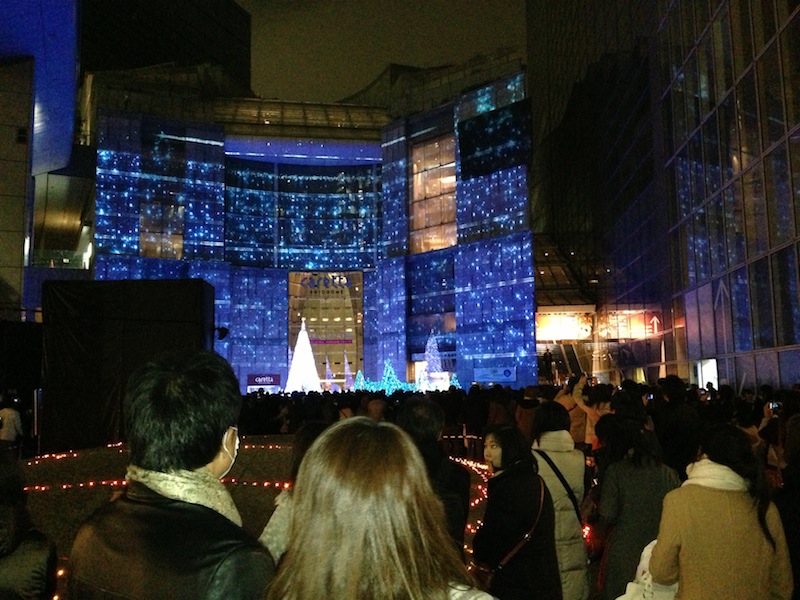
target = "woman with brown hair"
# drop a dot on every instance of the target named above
(362, 494)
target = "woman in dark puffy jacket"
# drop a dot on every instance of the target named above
(517, 496)
(27, 558)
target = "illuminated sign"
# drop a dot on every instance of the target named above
(325, 281)
(264, 379)
(495, 374)
(563, 326)
(630, 324)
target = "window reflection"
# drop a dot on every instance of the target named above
(740, 307)
(761, 298)
(161, 230)
(433, 185)
(779, 199)
(786, 296)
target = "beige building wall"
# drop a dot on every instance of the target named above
(16, 111)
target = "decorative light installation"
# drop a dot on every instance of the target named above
(303, 376)
(171, 204)
(495, 306)
(301, 216)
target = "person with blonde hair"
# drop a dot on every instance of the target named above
(362, 493)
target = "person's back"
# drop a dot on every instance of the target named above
(371, 531)
(145, 545)
(553, 444)
(518, 504)
(724, 553)
(677, 426)
(175, 532)
(632, 492)
(10, 425)
(423, 420)
(720, 536)
(787, 499)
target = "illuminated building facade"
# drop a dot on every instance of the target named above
(281, 235)
(375, 245)
(658, 200)
(455, 230)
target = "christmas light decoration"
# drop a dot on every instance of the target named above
(303, 376)
(171, 204)
(360, 383)
(348, 374)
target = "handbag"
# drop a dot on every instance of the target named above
(643, 587)
(483, 573)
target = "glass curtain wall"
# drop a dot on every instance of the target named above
(731, 106)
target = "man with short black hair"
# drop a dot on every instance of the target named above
(175, 532)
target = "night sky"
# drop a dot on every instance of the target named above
(325, 50)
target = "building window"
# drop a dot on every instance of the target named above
(161, 230)
(433, 195)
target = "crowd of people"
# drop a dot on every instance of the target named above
(683, 492)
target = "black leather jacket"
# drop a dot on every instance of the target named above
(144, 546)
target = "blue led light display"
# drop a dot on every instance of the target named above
(390, 317)
(141, 162)
(394, 240)
(432, 300)
(301, 217)
(491, 97)
(495, 308)
(171, 205)
(493, 204)
(496, 140)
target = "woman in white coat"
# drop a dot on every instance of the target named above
(554, 449)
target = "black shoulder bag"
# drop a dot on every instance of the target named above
(563, 481)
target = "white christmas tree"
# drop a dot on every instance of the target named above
(432, 356)
(303, 376)
(348, 374)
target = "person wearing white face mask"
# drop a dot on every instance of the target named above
(175, 531)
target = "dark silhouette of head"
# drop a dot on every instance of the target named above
(674, 389)
(178, 408)
(549, 416)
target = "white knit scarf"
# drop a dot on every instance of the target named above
(707, 473)
(195, 487)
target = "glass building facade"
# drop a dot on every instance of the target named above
(377, 246)
(688, 110)
(456, 226)
(730, 98)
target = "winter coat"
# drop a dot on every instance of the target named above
(511, 506)
(788, 502)
(145, 546)
(570, 546)
(711, 543)
(630, 501)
